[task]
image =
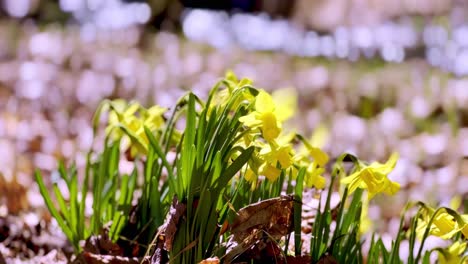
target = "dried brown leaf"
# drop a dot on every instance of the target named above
(257, 224)
(13, 194)
(170, 226)
(274, 216)
(102, 244)
(159, 255)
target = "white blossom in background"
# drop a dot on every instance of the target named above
(18, 8)
(107, 14)
(389, 40)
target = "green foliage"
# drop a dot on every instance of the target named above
(231, 153)
(112, 197)
(206, 162)
(343, 244)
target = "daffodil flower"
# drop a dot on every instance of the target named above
(130, 120)
(445, 224)
(285, 101)
(234, 83)
(153, 118)
(267, 116)
(374, 178)
(453, 254)
(251, 169)
(464, 229)
(315, 160)
(319, 156)
(121, 113)
(250, 175)
(313, 177)
(281, 154)
(455, 204)
(270, 171)
(269, 159)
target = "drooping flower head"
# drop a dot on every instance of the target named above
(445, 224)
(373, 178)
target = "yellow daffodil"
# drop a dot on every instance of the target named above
(313, 177)
(153, 118)
(374, 178)
(250, 175)
(464, 229)
(319, 156)
(286, 102)
(455, 204)
(121, 114)
(270, 171)
(453, 254)
(234, 83)
(251, 169)
(269, 158)
(132, 118)
(281, 154)
(315, 160)
(267, 116)
(443, 224)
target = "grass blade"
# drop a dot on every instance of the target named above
(53, 211)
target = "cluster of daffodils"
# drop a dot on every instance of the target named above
(127, 121)
(275, 150)
(238, 133)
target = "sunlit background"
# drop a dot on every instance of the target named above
(374, 76)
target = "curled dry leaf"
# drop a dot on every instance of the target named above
(166, 232)
(169, 228)
(13, 194)
(268, 219)
(159, 255)
(102, 244)
(100, 249)
(274, 216)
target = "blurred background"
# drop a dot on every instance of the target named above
(372, 77)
